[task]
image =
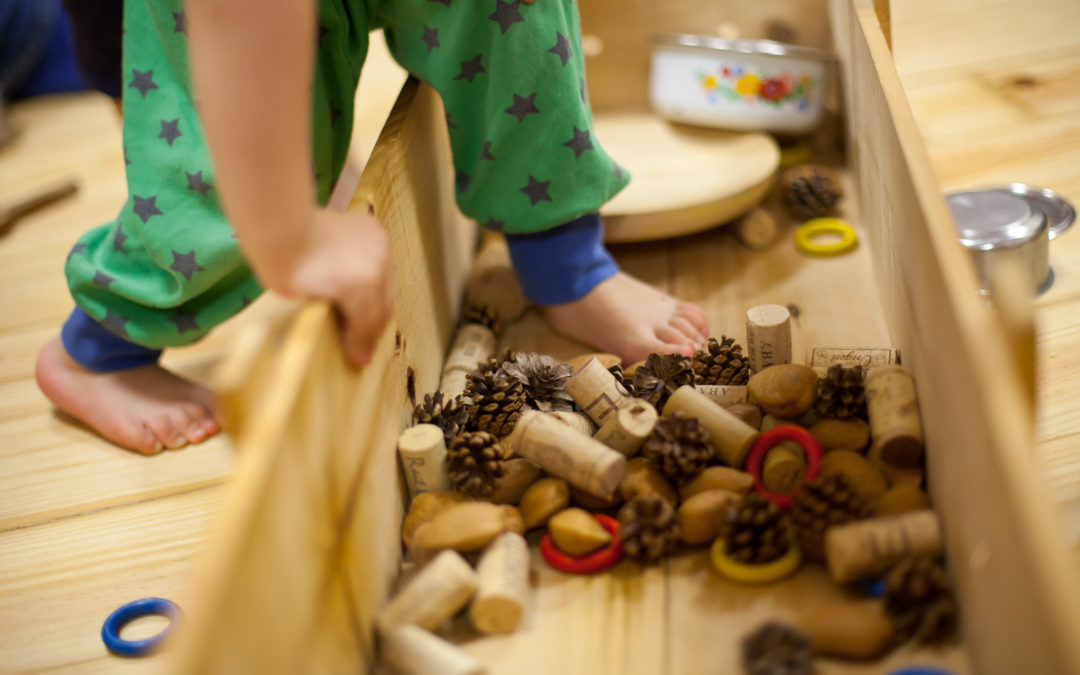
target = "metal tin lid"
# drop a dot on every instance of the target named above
(767, 47)
(1060, 214)
(990, 219)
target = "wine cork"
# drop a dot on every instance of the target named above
(423, 456)
(869, 548)
(783, 469)
(768, 336)
(453, 383)
(729, 437)
(894, 416)
(433, 595)
(493, 281)
(503, 571)
(473, 344)
(409, 650)
(724, 395)
(628, 428)
(757, 230)
(584, 462)
(578, 421)
(895, 475)
(823, 357)
(596, 391)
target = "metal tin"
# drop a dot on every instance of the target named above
(997, 224)
(1060, 214)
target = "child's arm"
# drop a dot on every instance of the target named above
(252, 63)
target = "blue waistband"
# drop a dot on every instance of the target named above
(564, 263)
(93, 347)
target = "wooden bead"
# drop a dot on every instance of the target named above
(729, 437)
(768, 336)
(717, 478)
(436, 593)
(410, 650)
(465, 527)
(895, 426)
(424, 507)
(576, 532)
(423, 457)
(868, 548)
(503, 573)
(758, 230)
(701, 516)
(596, 391)
(561, 451)
(627, 429)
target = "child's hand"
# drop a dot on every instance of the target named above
(347, 262)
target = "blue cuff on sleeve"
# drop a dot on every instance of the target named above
(95, 348)
(564, 263)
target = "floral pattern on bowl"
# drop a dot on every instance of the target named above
(735, 83)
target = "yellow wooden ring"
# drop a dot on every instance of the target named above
(799, 153)
(805, 233)
(755, 574)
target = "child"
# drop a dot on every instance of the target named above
(274, 83)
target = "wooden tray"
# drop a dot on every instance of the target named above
(309, 547)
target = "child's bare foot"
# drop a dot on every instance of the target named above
(629, 318)
(144, 409)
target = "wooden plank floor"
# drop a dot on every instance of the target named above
(995, 85)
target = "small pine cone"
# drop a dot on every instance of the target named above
(920, 601)
(721, 363)
(777, 649)
(840, 394)
(648, 528)
(821, 504)
(450, 416)
(494, 400)
(755, 531)
(660, 375)
(621, 378)
(678, 447)
(543, 378)
(810, 191)
(483, 315)
(475, 462)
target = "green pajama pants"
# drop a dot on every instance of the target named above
(511, 77)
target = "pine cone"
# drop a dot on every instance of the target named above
(494, 400)
(810, 191)
(721, 363)
(920, 601)
(821, 504)
(660, 375)
(450, 416)
(777, 649)
(621, 378)
(755, 531)
(840, 393)
(648, 528)
(483, 315)
(543, 378)
(475, 462)
(678, 447)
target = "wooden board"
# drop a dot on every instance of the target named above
(684, 178)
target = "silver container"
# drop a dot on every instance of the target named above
(1012, 222)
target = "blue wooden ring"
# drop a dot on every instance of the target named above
(110, 630)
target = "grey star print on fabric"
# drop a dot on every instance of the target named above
(143, 81)
(562, 48)
(431, 38)
(462, 180)
(335, 114)
(185, 264)
(323, 31)
(146, 209)
(184, 322)
(127, 162)
(506, 14)
(179, 22)
(496, 225)
(75, 250)
(195, 182)
(618, 172)
(485, 151)
(170, 130)
(118, 240)
(449, 124)
(537, 191)
(115, 323)
(444, 2)
(244, 301)
(470, 69)
(102, 279)
(522, 106)
(582, 91)
(579, 143)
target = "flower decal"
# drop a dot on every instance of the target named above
(748, 84)
(773, 89)
(733, 82)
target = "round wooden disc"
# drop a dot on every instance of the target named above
(685, 179)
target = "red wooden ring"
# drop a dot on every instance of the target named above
(585, 564)
(772, 438)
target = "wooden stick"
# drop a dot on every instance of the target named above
(895, 426)
(493, 281)
(768, 336)
(10, 214)
(628, 428)
(578, 421)
(414, 651)
(504, 582)
(436, 593)
(724, 395)
(870, 547)
(561, 451)
(729, 436)
(473, 344)
(596, 391)
(423, 456)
